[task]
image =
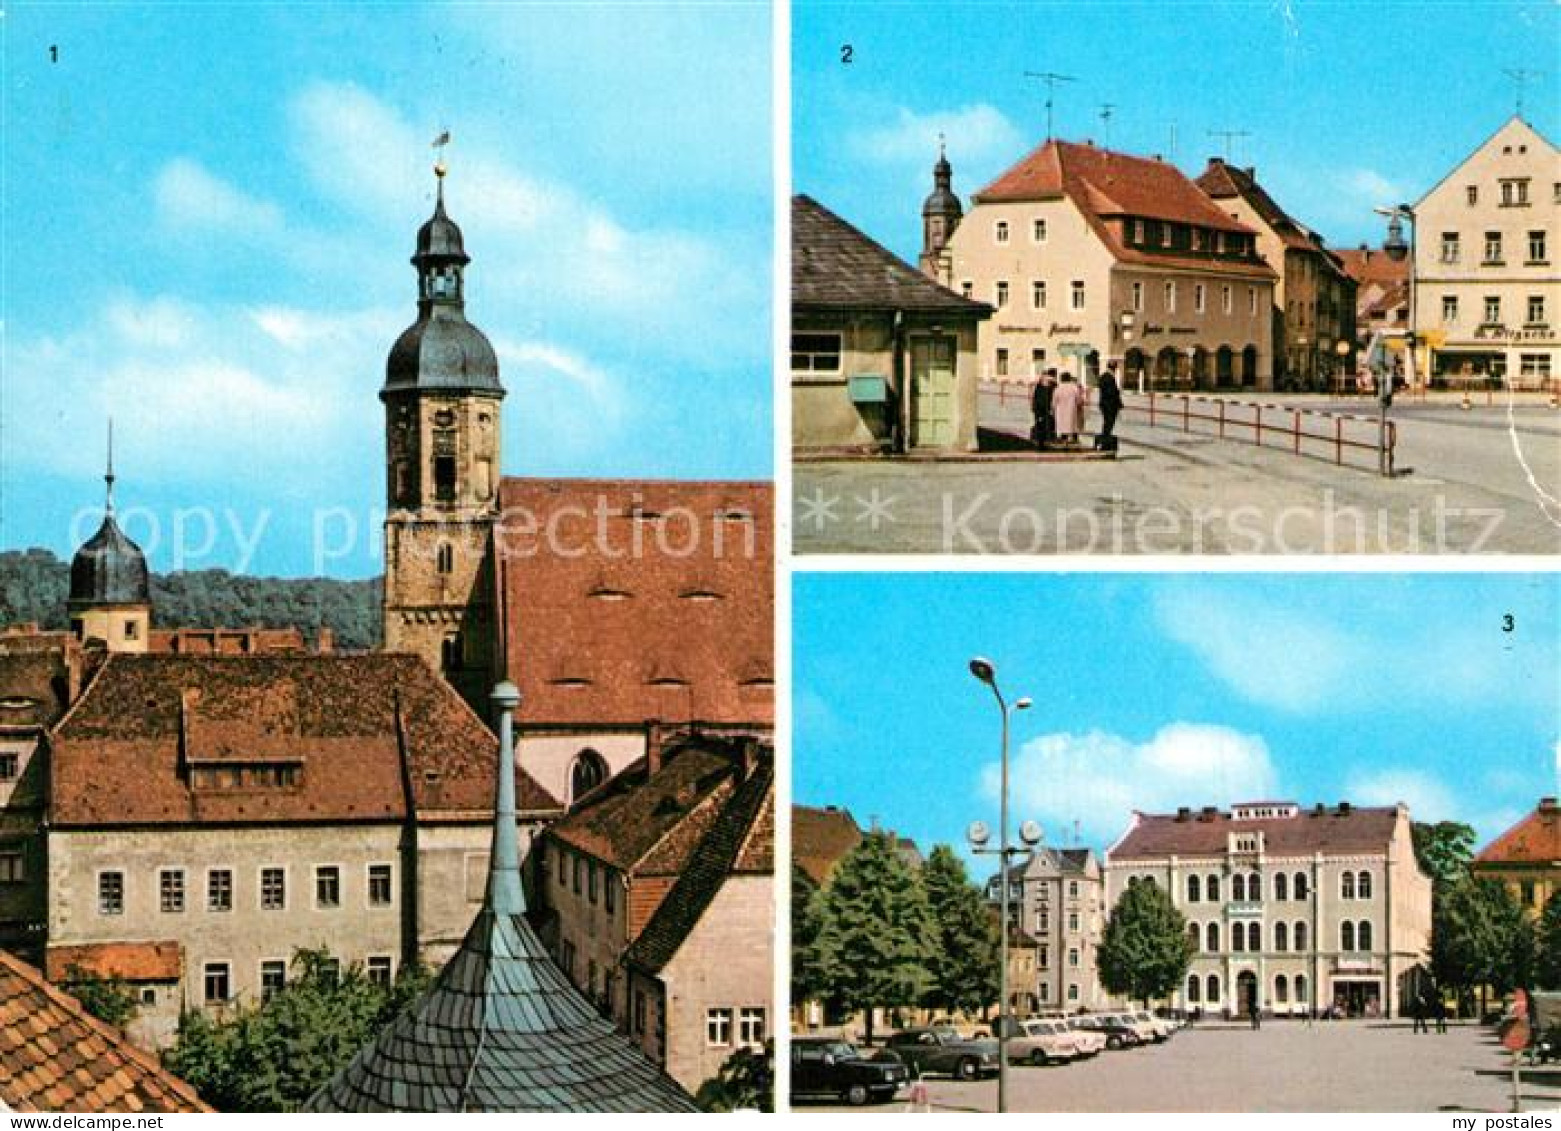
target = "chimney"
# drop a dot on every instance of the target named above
(325, 642)
(1344, 808)
(1216, 162)
(1183, 813)
(1252, 172)
(1547, 805)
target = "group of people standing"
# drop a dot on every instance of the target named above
(1057, 405)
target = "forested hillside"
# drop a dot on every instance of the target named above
(34, 585)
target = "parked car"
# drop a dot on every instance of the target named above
(944, 1051)
(822, 1066)
(1163, 1027)
(1146, 1028)
(1117, 1035)
(1039, 1041)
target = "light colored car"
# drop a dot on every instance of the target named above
(1161, 1025)
(1147, 1031)
(1037, 1041)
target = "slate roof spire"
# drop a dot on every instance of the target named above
(501, 1028)
(109, 569)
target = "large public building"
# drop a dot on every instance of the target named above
(1291, 911)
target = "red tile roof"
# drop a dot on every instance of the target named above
(1372, 265)
(820, 839)
(625, 601)
(130, 961)
(1221, 182)
(1331, 830)
(1536, 839)
(56, 1057)
(358, 729)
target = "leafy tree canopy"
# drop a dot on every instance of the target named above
(963, 965)
(1479, 937)
(1547, 974)
(746, 1082)
(107, 999)
(1444, 849)
(1144, 952)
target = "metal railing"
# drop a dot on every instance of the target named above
(1308, 432)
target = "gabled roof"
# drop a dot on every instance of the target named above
(821, 838)
(1221, 182)
(1106, 185)
(501, 1028)
(1536, 839)
(834, 266)
(1515, 126)
(741, 840)
(650, 821)
(33, 689)
(626, 601)
(57, 1057)
(1204, 833)
(360, 730)
(1373, 265)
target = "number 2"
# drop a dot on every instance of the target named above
(846, 52)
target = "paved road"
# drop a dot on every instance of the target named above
(1286, 1066)
(1478, 482)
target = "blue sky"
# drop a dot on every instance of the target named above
(208, 215)
(1152, 692)
(1349, 105)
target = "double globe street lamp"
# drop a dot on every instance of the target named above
(980, 836)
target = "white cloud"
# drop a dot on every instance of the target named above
(1098, 779)
(188, 196)
(976, 134)
(1290, 659)
(1428, 799)
(1370, 188)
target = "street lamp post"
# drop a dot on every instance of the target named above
(1397, 249)
(987, 674)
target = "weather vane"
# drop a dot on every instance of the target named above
(440, 168)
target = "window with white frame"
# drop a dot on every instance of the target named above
(1225, 298)
(217, 983)
(1534, 366)
(381, 885)
(718, 1027)
(1073, 991)
(750, 1025)
(13, 866)
(1038, 294)
(327, 886)
(1000, 293)
(967, 287)
(1450, 247)
(1492, 247)
(111, 893)
(1000, 231)
(219, 889)
(1076, 294)
(1199, 297)
(1492, 309)
(380, 969)
(1251, 300)
(1471, 195)
(1514, 193)
(1000, 366)
(1038, 230)
(170, 890)
(1037, 361)
(1170, 297)
(1449, 309)
(10, 765)
(273, 978)
(1073, 957)
(815, 353)
(1538, 252)
(273, 889)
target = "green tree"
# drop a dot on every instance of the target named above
(807, 981)
(875, 932)
(274, 1056)
(1443, 849)
(746, 1082)
(107, 999)
(963, 966)
(1479, 938)
(1144, 952)
(1547, 972)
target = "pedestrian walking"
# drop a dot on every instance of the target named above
(1441, 1011)
(1419, 1014)
(1068, 409)
(1041, 408)
(1110, 406)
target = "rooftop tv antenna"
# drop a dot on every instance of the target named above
(1230, 137)
(1520, 77)
(1106, 110)
(1051, 79)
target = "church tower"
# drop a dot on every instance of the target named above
(940, 215)
(442, 397)
(110, 589)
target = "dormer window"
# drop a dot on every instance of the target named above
(699, 593)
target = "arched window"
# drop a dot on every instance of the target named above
(1300, 936)
(1282, 989)
(1214, 938)
(1281, 887)
(1346, 935)
(1363, 935)
(1193, 987)
(1254, 887)
(1194, 885)
(1211, 987)
(1195, 933)
(1255, 937)
(1212, 889)
(1300, 885)
(1347, 886)
(588, 772)
(445, 558)
(1238, 938)
(1238, 888)
(1281, 937)
(1363, 885)
(1300, 988)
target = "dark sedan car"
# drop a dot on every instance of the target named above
(826, 1067)
(945, 1051)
